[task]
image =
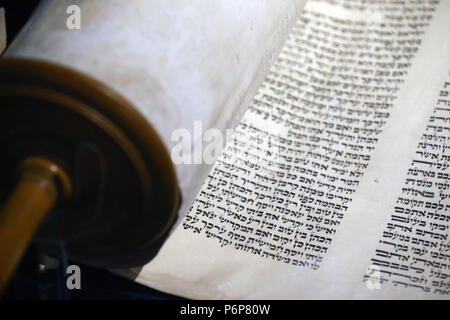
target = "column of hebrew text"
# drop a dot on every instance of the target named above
(414, 250)
(283, 186)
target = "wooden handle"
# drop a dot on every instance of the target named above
(41, 184)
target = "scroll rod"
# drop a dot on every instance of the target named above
(41, 184)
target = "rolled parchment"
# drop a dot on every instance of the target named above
(176, 61)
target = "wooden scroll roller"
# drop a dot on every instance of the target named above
(78, 163)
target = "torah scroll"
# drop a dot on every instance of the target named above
(177, 61)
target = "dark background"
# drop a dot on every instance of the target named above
(17, 13)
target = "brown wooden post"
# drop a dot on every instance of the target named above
(41, 184)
